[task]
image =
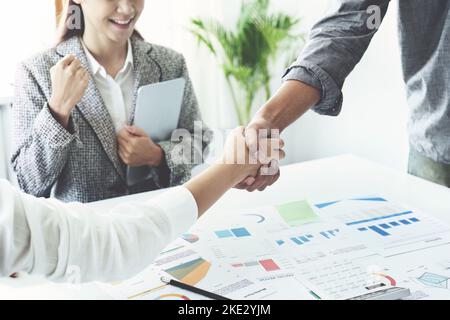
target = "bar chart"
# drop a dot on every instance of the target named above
(309, 238)
(388, 228)
(267, 264)
(384, 229)
(232, 233)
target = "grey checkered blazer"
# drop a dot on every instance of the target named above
(82, 164)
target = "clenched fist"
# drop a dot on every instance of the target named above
(69, 81)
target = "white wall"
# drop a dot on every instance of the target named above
(26, 27)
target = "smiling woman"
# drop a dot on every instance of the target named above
(71, 20)
(74, 105)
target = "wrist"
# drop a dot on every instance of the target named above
(240, 172)
(61, 117)
(157, 156)
(292, 100)
(269, 116)
(231, 173)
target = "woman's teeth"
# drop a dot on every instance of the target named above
(122, 22)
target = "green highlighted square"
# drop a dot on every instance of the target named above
(297, 213)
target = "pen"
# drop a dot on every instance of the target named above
(192, 289)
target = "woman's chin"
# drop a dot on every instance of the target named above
(119, 32)
(120, 36)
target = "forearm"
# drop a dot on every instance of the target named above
(42, 151)
(212, 184)
(292, 100)
(76, 242)
(336, 45)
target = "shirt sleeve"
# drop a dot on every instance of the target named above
(73, 242)
(336, 45)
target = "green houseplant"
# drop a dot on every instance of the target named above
(246, 53)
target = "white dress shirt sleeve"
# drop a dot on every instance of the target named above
(71, 241)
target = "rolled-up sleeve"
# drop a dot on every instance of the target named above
(337, 43)
(77, 243)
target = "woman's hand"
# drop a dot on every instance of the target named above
(257, 129)
(249, 163)
(137, 149)
(69, 82)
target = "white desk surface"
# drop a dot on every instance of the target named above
(326, 179)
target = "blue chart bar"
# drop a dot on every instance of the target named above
(379, 231)
(325, 235)
(380, 218)
(304, 239)
(224, 234)
(394, 224)
(240, 232)
(299, 240)
(280, 242)
(330, 233)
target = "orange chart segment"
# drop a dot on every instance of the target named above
(172, 296)
(191, 272)
(391, 280)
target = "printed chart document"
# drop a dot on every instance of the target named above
(180, 262)
(300, 250)
(389, 228)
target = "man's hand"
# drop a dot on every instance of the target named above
(137, 149)
(291, 101)
(269, 173)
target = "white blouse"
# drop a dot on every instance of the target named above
(118, 92)
(47, 237)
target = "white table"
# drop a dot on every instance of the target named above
(332, 178)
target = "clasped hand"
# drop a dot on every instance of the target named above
(137, 149)
(256, 133)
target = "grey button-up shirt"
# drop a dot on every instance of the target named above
(339, 41)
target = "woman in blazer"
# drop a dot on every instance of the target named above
(74, 103)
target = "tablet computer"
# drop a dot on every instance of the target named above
(158, 108)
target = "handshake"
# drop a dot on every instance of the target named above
(257, 151)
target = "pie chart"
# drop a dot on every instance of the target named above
(191, 238)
